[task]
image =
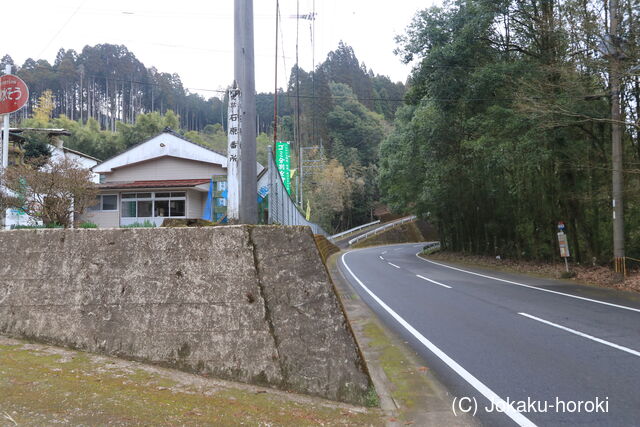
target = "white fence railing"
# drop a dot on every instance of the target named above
(382, 228)
(282, 210)
(353, 230)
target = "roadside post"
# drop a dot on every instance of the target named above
(564, 245)
(13, 96)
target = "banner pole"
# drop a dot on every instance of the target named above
(5, 131)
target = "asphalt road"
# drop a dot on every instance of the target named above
(512, 349)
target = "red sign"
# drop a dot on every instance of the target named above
(14, 94)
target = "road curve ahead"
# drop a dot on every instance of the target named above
(512, 349)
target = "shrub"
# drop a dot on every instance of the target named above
(145, 224)
(88, 224)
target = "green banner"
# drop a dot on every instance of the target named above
(283, 162)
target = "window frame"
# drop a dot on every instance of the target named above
(99, 206)
(133, 197)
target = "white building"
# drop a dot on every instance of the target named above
(166, 176)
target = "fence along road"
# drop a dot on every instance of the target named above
(282, 210)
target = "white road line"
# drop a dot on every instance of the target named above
(573, 331)
(624, 307)
(433, 281)
(380, 256)
(516, 416)
(384, 252)
(393, 265)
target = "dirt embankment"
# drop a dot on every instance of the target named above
(410, 232)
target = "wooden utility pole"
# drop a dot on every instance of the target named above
(616, 145)
(244, 72)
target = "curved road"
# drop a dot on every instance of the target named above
(512, 349)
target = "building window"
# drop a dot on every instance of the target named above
(154, 205)
(145, 208)
(105, 203)
(128, 209)
(161, 208)
(177, 208)
(109, 202)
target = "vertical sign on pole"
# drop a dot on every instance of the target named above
(283, 162)
(564, 245)
(233, 155)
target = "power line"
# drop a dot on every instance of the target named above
(62, 27)
(284, 60)
(531, 98)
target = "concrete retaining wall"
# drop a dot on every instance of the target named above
(250, 304)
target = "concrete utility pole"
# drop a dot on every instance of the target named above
(244, 72)
(616, 146)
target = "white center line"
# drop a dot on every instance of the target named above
(393, 265)
(384, 252)
(529, 286)
(509, 410)
(573, 331)
(381, 257)
(433, 281)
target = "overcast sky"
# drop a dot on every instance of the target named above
(194, 38)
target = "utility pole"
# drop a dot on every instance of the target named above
(616, 146)
(244, 72)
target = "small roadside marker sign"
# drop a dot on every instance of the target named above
(564, 245)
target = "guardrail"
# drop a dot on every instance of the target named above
(431, 245)
(380, 229)
(352, 230)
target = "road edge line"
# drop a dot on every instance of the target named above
(516, 416)
(433, 281)
(530, 286)
(583, 335)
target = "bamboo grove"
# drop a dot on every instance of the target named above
(506, 128)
